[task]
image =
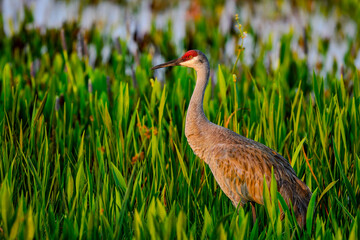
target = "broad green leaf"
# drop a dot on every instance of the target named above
(326, 190)
(182, 165)
(310, 212)
(295, 155)
(80, 180)
(70, 185)
(30, 225)
(118, 177)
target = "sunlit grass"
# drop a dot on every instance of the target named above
(86, 153)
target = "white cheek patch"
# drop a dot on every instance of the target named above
(190, 63)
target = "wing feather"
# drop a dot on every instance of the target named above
(240, 169)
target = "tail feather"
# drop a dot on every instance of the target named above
(299, 195)
(301, 201)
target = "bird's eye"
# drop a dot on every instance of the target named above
(190, 57)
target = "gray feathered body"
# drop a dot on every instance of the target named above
(239, 164)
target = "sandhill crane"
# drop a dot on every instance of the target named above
(238, 164)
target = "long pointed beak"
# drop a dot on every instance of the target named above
(174, 62)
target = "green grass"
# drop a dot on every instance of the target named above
(112, 161)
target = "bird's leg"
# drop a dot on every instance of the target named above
(253, 211)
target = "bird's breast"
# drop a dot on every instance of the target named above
(197, 145)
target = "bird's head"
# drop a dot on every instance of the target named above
(193, 59)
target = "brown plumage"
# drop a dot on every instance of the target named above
(238, 164)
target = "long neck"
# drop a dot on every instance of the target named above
(195, 117)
